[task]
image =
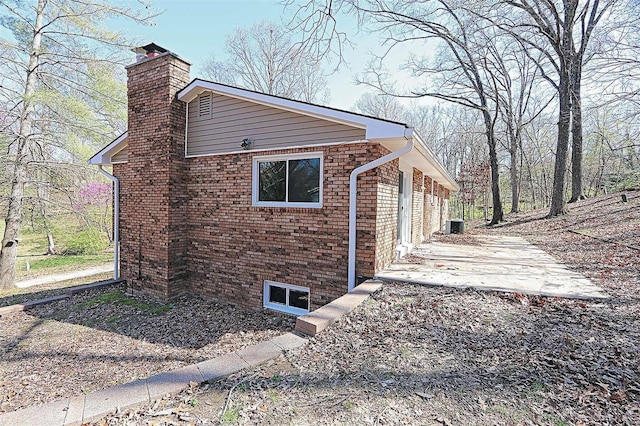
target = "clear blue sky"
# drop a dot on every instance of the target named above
(194, 29)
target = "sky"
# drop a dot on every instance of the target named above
(195, 29)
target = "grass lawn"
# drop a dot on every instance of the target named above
(31, 266)
(32, 259)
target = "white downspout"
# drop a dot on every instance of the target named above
(353, 191)
(433, 196)
(116, 222)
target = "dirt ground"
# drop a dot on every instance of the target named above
(101, 338)
(409, 355)
(436, 356)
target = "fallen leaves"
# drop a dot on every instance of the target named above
(78, 345)
(436, 356)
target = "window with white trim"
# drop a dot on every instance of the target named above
(288, 298)
(293, 180)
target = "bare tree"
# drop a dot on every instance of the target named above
(513, 76)
(460, 69)
(560, 30)
(263, 58)
(462, 80)
(382, 106)
(613, 152)
(46, 72)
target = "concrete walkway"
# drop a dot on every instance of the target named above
(50, 279)
(500, 263)
(95, 405)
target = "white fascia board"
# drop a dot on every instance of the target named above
(104, 155)
(443, 175)
(375, 128)
(422, 158)
(428, 153)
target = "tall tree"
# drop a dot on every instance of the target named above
(459, 66)
(265, 59)
(49, 65)
(381, 106)
(513, 77)
(561, 30)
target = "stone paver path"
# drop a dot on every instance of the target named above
(501, 263)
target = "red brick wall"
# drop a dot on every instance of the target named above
(442, 208)
(427, 209)
(234, 247)
(387, 213)
(153, 246)
(188, 224)
(417, 210)
(434, 204)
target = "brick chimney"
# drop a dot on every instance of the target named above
(153, 192)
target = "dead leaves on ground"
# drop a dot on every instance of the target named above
(100, 338)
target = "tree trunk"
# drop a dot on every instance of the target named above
(564, 119)
(498, 214)
(9, 250)
(515, 194)
(51, 248)
(576, 133)
(530, 176)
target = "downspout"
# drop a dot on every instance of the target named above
(433, 196)
(353, 191)
(116, 222)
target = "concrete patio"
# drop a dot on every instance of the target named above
(499, 263)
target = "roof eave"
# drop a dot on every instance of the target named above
(103, 157)
(427, 152)
(375, 127)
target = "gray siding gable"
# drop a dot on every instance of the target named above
(120, 156)
(222, 128)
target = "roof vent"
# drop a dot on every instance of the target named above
(148, 51)
(204, 105)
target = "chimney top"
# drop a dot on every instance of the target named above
(151, 47)
(152, 50)
(148, 51)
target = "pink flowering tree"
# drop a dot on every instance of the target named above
(94, 206)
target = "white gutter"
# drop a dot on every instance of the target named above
(116, 222)
(353, 191)
(428, 153)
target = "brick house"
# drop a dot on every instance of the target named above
(259, 200)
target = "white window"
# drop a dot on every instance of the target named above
(293, 180)
(288, 298)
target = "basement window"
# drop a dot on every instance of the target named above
(291, 299)
(293, 180)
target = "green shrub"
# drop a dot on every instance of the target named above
(85, 242)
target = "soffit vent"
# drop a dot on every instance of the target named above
(205, 105)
